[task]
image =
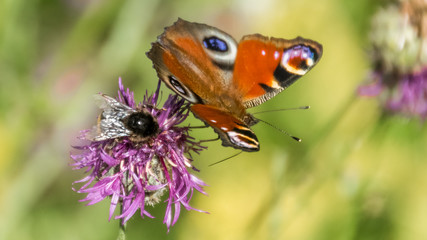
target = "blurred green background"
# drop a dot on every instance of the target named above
(355, 175)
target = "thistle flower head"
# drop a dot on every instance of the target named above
(399, 57)
(136, 154)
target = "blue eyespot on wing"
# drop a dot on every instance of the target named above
(215, 44)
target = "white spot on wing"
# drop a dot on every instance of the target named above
(276, 55)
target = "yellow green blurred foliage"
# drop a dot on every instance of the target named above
(356, 174)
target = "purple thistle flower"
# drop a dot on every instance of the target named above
(399, 55)
(134, 164)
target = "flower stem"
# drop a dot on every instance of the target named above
(122, 226)
(122, 231)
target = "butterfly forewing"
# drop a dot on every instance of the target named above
(184, 61)
(266, 66)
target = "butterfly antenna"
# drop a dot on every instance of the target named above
(232, 156)
(283, 109)
(280, 130)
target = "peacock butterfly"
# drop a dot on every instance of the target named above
(222, 78)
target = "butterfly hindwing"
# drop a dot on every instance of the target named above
(232, 131)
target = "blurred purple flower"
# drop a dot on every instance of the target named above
(136, 172)
(398, 40)
(412, 96)
(407, 96)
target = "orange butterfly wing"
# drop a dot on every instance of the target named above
(232, 131)
(266, 66)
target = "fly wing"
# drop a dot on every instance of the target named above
(110, 124)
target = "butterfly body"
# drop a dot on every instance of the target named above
(222, 78)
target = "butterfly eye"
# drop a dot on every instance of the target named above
(142, 124)
(298, 59)
(215, 44)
